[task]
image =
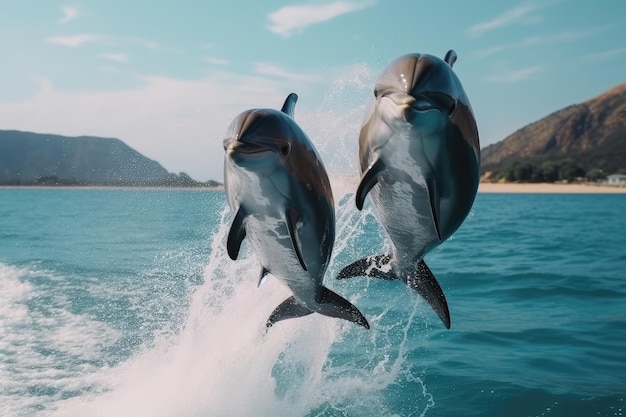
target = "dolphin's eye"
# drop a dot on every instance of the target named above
(284, 150)
(376, 93)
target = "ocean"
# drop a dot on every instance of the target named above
(123, 302)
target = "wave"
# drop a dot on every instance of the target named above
(46, 351)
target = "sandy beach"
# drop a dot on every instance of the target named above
(548, 188)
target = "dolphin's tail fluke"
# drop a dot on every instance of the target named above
(421, 279)
(288, 309)
(334, 305)
(330, 304)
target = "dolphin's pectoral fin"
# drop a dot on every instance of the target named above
(262, 275)
(450, 57)
(424, 282)
(333, 305)
(288, 309)
(433, 199)
(290, 104)
(373, 266)
(237, 234)
(291, 217)
(369, 180)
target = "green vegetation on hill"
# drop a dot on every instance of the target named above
(547, 171)
(38, 159)
(586, 140)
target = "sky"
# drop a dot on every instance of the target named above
(167, 77)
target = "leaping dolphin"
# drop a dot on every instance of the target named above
(276, 184)
(420, 157)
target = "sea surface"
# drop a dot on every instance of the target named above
(123, 302)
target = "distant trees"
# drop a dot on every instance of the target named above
(546, 171)
(171, 180)
(550, 171)
(595, 174)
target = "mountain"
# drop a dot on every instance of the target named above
(578, 140)
(30, 158)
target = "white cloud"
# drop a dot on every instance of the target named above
(216, 61)
(606, 55)
(179, 123)
(69, 13)
(74, 41)
(514, 76)
(541, 40)
(110, 69)
(123, 58)
(519, 14)
(276, 71)
(290, 19)
(144, 43)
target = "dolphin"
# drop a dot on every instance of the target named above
(279, 190)
(419, 155)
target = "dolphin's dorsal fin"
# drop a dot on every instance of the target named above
(290, 104)
(236, 234)
(450, 57)
(369, 180)
(291, 217)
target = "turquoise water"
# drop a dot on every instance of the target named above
(124, 303)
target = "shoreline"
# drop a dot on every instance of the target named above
(484, 187)
(109, 187)
(548, 188)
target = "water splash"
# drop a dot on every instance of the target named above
(222, 362)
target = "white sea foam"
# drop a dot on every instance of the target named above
(223, 362)
(43, 348)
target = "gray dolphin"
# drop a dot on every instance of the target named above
(420, 157)
(276, 184)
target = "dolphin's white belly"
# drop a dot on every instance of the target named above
(268, 234)
(269, 237)
(401, 201)
(404, 211)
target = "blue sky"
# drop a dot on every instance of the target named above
(167, 77)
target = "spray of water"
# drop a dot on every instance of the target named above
(222, 362)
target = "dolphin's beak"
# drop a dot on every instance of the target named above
(255, 147)
(246, 147)
(241, 146)
(400, 99)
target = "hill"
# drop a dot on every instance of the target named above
(586, 139)
(39, 159)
